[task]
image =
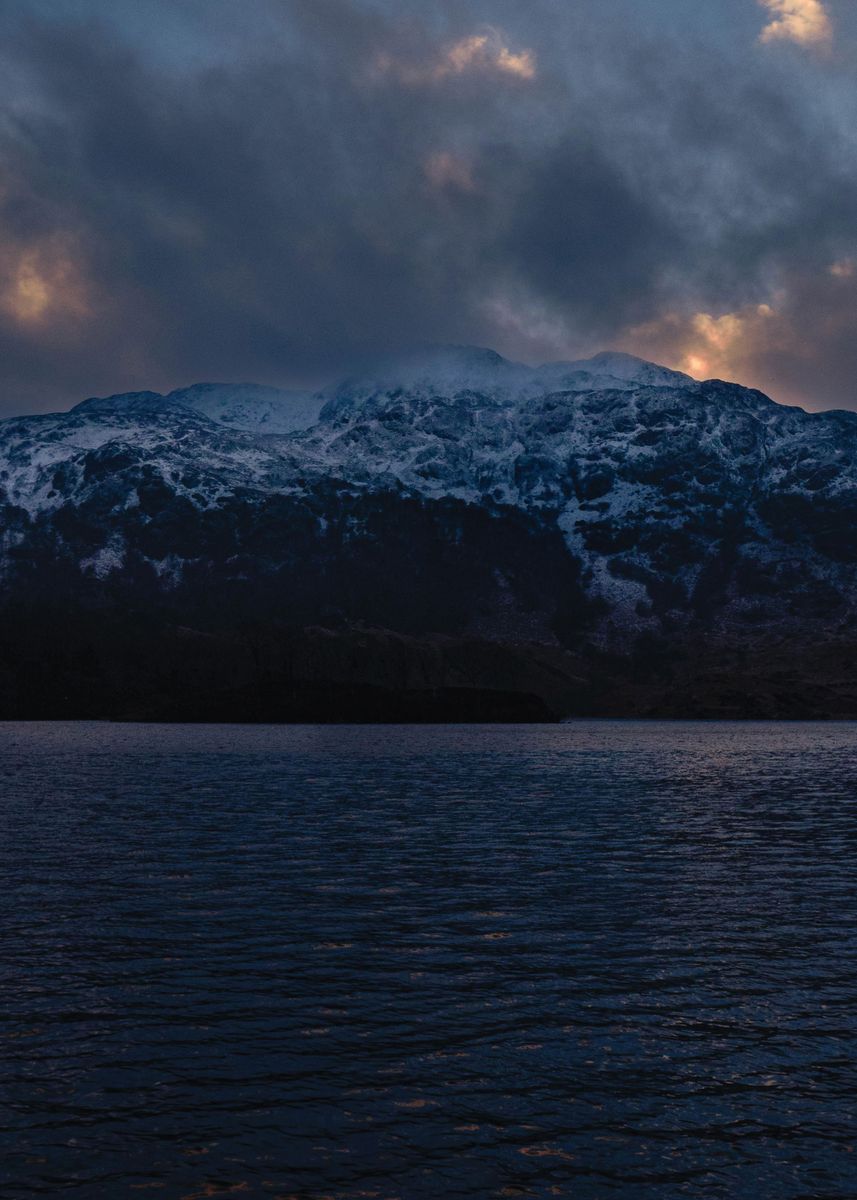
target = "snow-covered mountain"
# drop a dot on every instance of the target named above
(606, 503)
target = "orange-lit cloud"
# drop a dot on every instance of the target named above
(845, 268)
(42, 284)
(806, 22)
(485, 53)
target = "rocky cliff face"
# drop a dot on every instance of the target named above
(610, 510)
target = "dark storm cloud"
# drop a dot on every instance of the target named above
(186, 195)
(584, 238)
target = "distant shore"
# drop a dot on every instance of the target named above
(89, 667)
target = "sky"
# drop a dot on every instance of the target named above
(276, 190)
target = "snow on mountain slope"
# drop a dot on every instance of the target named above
(250, 407)
(673, 496)
(538, 443)
(49, 461)
(479, 428)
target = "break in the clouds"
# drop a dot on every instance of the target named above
(274, 190)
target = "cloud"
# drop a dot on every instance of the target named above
(445, 170)
(42, 283)
(805, 22)
(485, 52)
(255, 198)
(481, 53)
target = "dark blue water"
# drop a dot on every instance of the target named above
(594, 960)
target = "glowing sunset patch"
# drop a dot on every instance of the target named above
(722, 334)
(707, 346)
(43, 284)
(844, 269)
(805, 22)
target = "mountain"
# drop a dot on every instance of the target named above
(247, 406)
(448, 533)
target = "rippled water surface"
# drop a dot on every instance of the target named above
(606, 959)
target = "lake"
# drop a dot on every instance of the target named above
(600, 959)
